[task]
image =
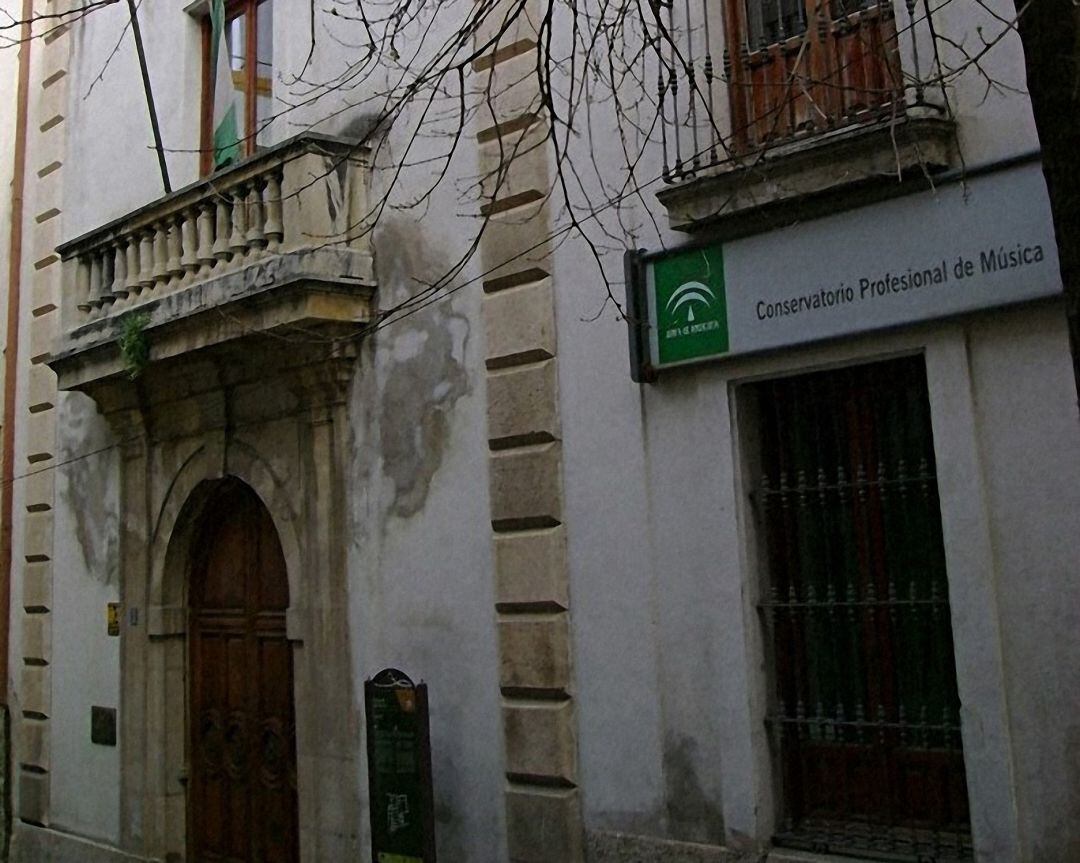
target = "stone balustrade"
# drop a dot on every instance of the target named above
(231, 226)
(293, 216)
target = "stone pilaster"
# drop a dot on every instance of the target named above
(543, 809)
(36, 455)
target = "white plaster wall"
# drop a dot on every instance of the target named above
(667, 641)
(1028, 440)
(85, 667)
(986, 81)
(420, 572)
(667, 646)
(108, 123)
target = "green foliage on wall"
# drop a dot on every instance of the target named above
(134, 345)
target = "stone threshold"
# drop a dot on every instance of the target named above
(46, 845)
(609, 846)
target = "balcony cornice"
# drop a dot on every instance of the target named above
(812, 176)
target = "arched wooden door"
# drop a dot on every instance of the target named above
(242, 801)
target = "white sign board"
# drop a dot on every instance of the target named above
(961, 247)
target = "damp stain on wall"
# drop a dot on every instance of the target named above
(691, 814)
(421, 371)
(94, 517)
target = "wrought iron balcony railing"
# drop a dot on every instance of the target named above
(277, 241)
(771, 72)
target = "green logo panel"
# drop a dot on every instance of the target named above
(691, 305)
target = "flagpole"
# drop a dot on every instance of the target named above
(149, 96)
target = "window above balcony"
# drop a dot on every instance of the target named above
(273, 246)
(814, 98)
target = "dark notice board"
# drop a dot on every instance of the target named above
(399, 769)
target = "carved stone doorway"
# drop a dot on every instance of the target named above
(242, 794)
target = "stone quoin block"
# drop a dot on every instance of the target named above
(37, 636)
(38, 493)
(37, 586)
(520, 325)
(46, 150)
(40, 437)
(530, 567)
(33, 742)
(507, 23)
(34, 797)
(44, 238)
(543, 825)
(523, 403)
(42, 335)
(515, 163)
(506, 90)
(44, 296)
(540, 740)
(38, 535)
(534, 652)
(516, 247)
(526, 487)
(35, 689)
(41, 388)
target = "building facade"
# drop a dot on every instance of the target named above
(352, 392)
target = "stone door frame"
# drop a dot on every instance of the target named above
(284, 434)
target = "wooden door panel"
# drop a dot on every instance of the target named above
(242, 792)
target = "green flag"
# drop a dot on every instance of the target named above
(226, 125)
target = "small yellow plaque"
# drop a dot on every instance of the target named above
(112, 617)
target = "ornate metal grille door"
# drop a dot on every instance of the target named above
(865, 715)
(242, 799)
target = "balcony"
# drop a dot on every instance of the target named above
(273, 250)
(814, 101)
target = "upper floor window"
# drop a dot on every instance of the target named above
(800, 66)
(237, 80)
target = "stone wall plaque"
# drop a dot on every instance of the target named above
(399, 769)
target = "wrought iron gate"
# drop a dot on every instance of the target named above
(865, 712)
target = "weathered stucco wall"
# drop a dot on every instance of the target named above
(86, 669)
(668, 669)
(420, 567)
(1026, 401)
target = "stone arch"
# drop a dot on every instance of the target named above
(173, 529)
(176, 522)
